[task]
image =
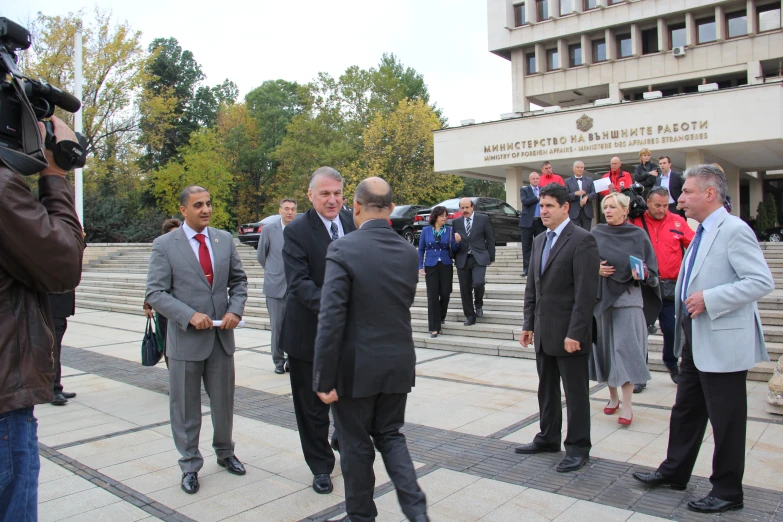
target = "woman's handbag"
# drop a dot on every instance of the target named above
(150, 354)
(668, 289)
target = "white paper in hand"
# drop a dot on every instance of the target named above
(217, 324)
(602, 184)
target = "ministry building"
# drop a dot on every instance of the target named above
(699, 81)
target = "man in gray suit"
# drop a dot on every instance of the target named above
(476, 254)
(581, 194)
(365, 362)
(719, 336)
(195, 277)
(270, 255)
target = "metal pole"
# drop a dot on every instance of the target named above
(77, 123)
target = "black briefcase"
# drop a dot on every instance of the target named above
(150, 355)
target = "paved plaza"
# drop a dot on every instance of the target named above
(109, 456)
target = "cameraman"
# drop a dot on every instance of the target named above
(41, 248)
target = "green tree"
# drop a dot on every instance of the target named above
(482, 187)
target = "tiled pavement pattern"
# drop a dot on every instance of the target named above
(101, 461)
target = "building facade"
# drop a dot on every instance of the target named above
(697, 80)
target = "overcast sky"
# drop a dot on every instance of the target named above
(445, 41)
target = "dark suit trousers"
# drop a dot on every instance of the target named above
(472, 279)
(312, 418)
(60, 326)
(721, 399)
(573, 371)
(582, 220)
(377, 419)
(439, 280)
(528, 234)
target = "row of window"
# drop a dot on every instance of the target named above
(542, 9)
(706, 32)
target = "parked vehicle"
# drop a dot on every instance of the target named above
(401, 220)
(250, 233)
(504, 218)
(773, 235)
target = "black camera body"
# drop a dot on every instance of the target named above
(24, 102)
(638, 205)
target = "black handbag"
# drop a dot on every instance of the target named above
(668, 289)
(150, 354)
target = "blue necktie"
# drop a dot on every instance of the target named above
(691, 260)
(335, 235)
(538, 207)
(550, 237)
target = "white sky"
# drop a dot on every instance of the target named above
(444, 40)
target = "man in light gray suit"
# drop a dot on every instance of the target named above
(270, 255)
(719, 336)
(195, 277)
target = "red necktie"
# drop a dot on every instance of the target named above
(203, 257)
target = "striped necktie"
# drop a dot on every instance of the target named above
(467, 226)
(335, 235)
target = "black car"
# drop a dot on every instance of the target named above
(774, 234)
(504, 218)
(250, 233)
(402, 221)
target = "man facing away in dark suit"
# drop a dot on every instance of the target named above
(196, 277)
(581, 196)
(560, 294)
(476, 254)
(63, 306)
(671, 181)
(365, 362)
(304, 257)
(529, 218)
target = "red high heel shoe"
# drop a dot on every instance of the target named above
(625, 422)
(611, 411)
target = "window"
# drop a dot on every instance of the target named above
(509, 210)
(650, 41)
(542, 10)
(737, 24)
(615, 2)
(575, 55)
(706, 30)
(590, 4)
(769, 17)
(599, 51)
(552, 60)
(530, 59)
(624, 47)
(566, 7)
(490, 206)
(677, 35)
(520, 16)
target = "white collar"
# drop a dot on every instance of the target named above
(709, 222)
(328, 223)
(190, 233)
(559, 230)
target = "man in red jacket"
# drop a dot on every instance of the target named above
(670, 235)
(548, 177)
(621, 180)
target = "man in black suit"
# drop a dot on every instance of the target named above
(304, 256)
(581, 194)
(560, 295)
(530, 218)
(672, 181)
(63, 306)
(365, 362)
(476, 254)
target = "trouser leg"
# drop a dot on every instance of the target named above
(185, 409)
(60, 326)
(667, 320)
(574, 372)
(527, 246)
(312, 418)
(446, 276)
(19, 466)
(466, 290)
(549, 401)
(479, 277)
(219, 385)
(432, 278)
(276, 308)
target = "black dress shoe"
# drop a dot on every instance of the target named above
(524, 273)
(232, 465)
(655, 479)
(322, 484)
(68, 395)
(571, 463)
(59, 400)
(479, 312)
(639, 388)
(532, 448)
(286, 367)
(434, 335)
(335, 444)
(470, 322)
(189, 482)
(443, 321)
(421, 518)
(713, 505)
(674, 373)
(279, 369)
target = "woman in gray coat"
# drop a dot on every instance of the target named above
(627, 303)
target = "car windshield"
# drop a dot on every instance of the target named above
(399, 211)
(450, 204)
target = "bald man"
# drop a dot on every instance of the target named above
(365, 361)
(620, 179)
(475, 255)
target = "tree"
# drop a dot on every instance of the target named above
(482, 187)
(399, 148)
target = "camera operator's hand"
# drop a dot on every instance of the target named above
(61, 132)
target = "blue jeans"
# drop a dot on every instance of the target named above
(19, 466)
(667, 321)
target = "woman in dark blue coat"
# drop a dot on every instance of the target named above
(436, 245)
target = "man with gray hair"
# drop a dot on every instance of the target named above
(304, 256)
(581, 193)
(719, 336)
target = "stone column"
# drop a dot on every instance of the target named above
(663, 35)
(733, 177)
(615, 94)
(540, 58)
(720, 23)
(756, 193)
(636, 40)
(690, 30)
(554, 8)
(519, 102)
(611, 45)
(587, 49)
(516, 178)
(755, 73)
(753, 19)
(562, 54)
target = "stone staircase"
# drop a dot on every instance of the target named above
(115, 274)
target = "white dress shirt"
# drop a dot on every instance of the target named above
(665, 179)
(194, 244)
(706, 225)
(558, 231)
(579, 181)
(328, 225)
